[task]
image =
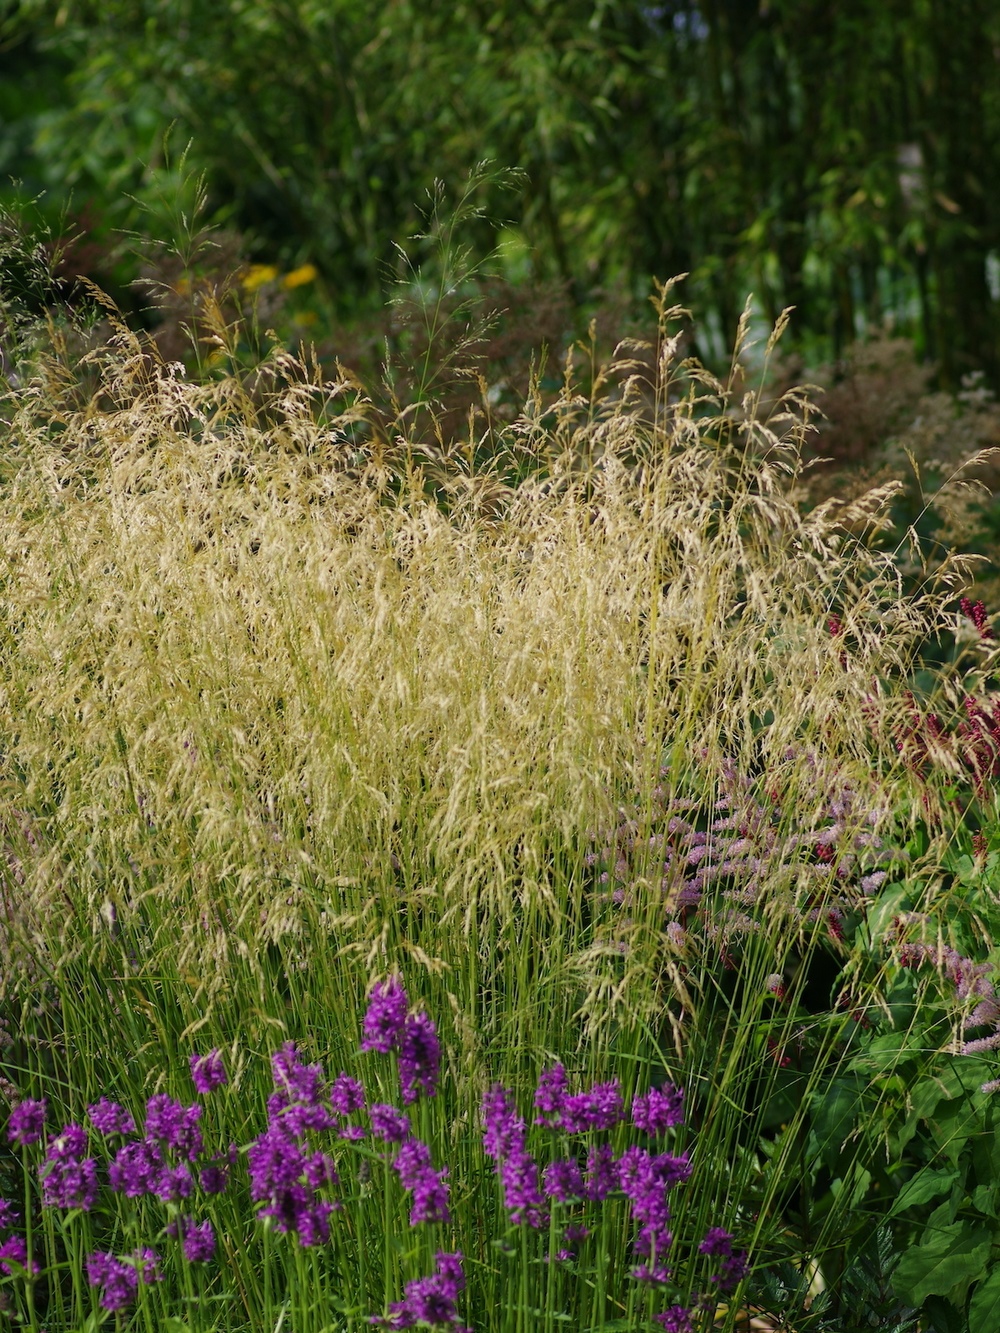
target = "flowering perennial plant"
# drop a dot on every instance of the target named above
(299, 1183)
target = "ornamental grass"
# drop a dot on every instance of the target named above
(441, 877)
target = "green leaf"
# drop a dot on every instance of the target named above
(923, 1186)
(984, 1308)
(956, 1254)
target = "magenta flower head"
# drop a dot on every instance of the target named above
(550, 1094)
(174, 1124)
(27, 1120)
(659, 1110)
(119, 1278)
(600, 1108)
(198, 1239)
(388, 1124)
(208, 1072)
(419, 1058)
(675, 1320)
(14, 1250)
(503, 1129)
(109, 1118)
(383, 1023)
(347, 1095)
(69, 1179)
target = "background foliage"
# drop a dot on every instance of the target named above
(841, 158)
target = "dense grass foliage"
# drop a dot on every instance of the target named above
(592, 745)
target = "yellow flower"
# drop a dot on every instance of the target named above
(299, 276)
(257, 275)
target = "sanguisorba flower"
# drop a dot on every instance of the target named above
(27, 1120)
(208, 1072)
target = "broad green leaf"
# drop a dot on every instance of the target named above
(953, 1255)
(926, 1184)
(984, 1308)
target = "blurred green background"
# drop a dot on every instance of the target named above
(840, 157)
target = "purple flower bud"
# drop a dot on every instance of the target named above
(215, 1176)
(600, 1108)
(298, 1082)
(208, 1072)
(27, 1120)
(383, 1023)
(174, 1183)
(68, 1179)
(109, 1118)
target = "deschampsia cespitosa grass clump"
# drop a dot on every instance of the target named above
(298, 697)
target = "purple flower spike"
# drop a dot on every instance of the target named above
(347, 1095)
(661, 1109)
(503, 1129)
(215, 1176)
(174, 1125)
(295, 1081)
(522, 1197)
(600, 1108)
(199, 1241)
(109, 1118)
(429, 1300)
(136, 1168)
(717, 1241)
(550, 1094)
(602, 1173)
(383, 1023)
(8, 1214)
(429, 1187)
(14, 1250)
(419, 1058)
(27, 1120)
(69, 1180)
(208, 1072)
(563, 1180)
(119, 1280)
(675, 1320)
(388, 1124)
